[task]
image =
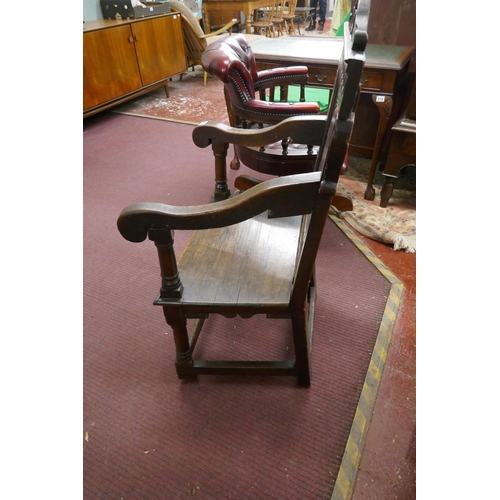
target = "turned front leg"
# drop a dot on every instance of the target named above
(170, 297)
(183, 352)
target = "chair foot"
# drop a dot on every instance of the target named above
(185, 375)
(184, 366)
(370, 193)
(304, 380)
(235, 163)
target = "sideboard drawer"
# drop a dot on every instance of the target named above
(321, 76)
(222, 17)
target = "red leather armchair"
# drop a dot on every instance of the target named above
(231, 60)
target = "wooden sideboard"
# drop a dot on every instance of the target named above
(127, 58)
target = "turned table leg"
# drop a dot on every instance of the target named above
(248, 20)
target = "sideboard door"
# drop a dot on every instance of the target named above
(160, 49)
(110, 66)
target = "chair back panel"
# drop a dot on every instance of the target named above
(266, 11)
(336, 137)
(231, 70)
(188, 15)
(277, 11)
(195, 45)
(243, 50)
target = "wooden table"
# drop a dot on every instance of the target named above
(220, 12)
(383, 77)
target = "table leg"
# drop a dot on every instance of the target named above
(384, 106)
(248, 20)
(206, 20)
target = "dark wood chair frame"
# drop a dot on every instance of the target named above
(293, 206)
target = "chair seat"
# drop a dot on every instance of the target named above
(247, 267)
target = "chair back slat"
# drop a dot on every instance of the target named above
(289, 8)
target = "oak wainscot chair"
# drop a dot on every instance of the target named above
(225, 268)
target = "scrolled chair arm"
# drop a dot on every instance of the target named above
(302, 129)
(281, 197)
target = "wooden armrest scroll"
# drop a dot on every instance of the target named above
(302, 130)
(283, 197)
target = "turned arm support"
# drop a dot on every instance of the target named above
(281, 197)
(302, 130)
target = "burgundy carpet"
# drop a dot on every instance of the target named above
(147, 434)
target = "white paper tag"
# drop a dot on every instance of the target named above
(380, 98)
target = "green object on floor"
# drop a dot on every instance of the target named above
(313, 94)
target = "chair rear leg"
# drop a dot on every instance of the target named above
(302, 350)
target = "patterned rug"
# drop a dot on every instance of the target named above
(394, 225)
